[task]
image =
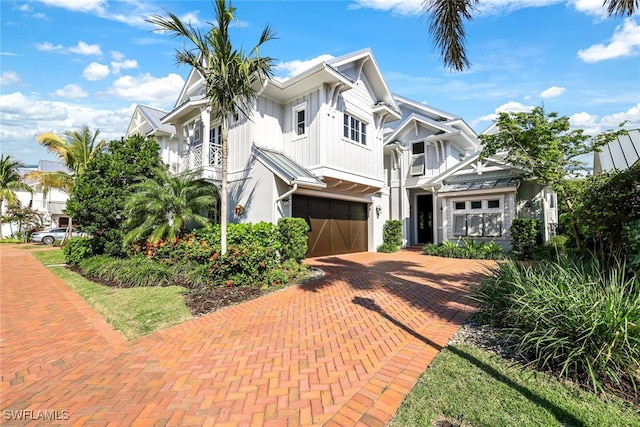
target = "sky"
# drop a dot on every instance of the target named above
(69, 63)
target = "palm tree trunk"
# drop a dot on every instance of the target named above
(224, 205)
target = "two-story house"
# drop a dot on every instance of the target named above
(334, 146)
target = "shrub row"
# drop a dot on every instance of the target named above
(469, 249)
(575, 317)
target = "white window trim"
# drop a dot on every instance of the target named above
(484, 199)
(294, 120)
(362, 121)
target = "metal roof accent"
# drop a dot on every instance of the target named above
(479, 185)
(620, 154)
(154, 116)
(286, 168)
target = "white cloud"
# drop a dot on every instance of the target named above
(23, 117)
(399, 7)
(94, 6)
(147, 88)
(291, 68)
(95, 71)
(552, 92)
(625, 42)
(9, 78)
(48, 47)
(117, 56)
(71, 91)
(590, 7)
(127, 64)
(509, 107)
(593, 124)
(83, 48)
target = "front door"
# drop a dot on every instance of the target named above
(425, 218)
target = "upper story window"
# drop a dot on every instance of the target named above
(354, 129)
(215, 135)
(417, 158)
(197, 133)
(300, 120)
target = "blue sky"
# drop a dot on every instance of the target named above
(65, 63)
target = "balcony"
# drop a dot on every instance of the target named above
(201, 155)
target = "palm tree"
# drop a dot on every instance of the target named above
(446, 25)
(165, 206)
(232, 77)
(75, 149)
(10, 182)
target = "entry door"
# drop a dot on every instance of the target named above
(424, 217)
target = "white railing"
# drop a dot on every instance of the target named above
(215, 154)
(194, 157)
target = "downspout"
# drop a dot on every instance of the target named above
(435, 215)
(279, 199)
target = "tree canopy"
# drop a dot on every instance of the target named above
(545, 147)
(232, 77)
(167, 206)
(10, 182)
(98, 198)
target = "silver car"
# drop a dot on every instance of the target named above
(50, 235)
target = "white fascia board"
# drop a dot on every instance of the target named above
(315, 77)
(446, 174)
(425, 121)
(427, 108)
(191, 103)
(323, 171)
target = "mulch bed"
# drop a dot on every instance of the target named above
(216, 297)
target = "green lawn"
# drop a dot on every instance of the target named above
(132, 311)
(473, 387)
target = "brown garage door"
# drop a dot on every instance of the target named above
(337, 226)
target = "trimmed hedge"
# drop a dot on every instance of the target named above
(526, 235)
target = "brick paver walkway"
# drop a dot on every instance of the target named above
(343, 350)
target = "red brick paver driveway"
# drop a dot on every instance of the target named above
(343, 350)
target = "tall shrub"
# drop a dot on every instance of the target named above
(292, 234)
(526, 235)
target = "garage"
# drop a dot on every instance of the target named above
(337, 226)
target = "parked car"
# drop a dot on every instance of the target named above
(50, 235)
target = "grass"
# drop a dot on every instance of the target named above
(132, 311)
(50, 257)
(473, 387)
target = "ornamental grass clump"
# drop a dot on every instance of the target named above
(572, 317)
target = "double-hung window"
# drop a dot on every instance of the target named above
(354, 129)
(300, 120)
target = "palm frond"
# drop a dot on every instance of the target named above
(446, 26)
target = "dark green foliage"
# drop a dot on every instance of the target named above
(526, 235)
(167, 205)
(609, 203)
(392, 232)
(632, 246)
(293, 238)
(575, 317)
(76, 249)
(129, 272)
(387, 248)
(469, 249)
(98, 197)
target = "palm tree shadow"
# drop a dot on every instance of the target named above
(562, 415)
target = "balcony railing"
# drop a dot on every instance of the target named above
(196, 156)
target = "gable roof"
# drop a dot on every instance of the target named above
(620, 154)
(152, 117)
(286, 168)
